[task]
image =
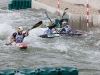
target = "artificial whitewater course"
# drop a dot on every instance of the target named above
(82, 52)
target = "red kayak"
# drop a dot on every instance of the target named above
(21, 45)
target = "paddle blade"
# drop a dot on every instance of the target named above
(7, 44)
(48, 16)
(66, 8)
(64, 12)
(36, 25)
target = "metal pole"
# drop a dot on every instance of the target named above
(87, 13)
(58, 9)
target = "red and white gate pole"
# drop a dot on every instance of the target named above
(87, 13)
(58, 9)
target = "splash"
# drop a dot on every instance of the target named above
(5, 30)
(33, 35)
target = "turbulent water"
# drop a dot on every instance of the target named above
(82, 52)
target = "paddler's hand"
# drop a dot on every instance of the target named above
(13, 43)
(52, 23)
(26, 33)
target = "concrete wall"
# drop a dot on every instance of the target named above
(92, 3)
(77, 1)
(38, 5)
(77, 21)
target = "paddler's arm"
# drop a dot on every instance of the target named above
(12, 40)
(26, 33)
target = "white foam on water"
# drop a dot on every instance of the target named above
(62, 47)
(5, 30)
(33, 38)
(47, 43)
(19, 74)
(72, 48)
(97, 44)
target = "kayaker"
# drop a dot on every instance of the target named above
(18, 37)
(48, 30)
(66, 28)
(51, 28)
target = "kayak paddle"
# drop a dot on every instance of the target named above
(36, 25)
(53, 25)
(8, 44)
(48, 17)
(64, 12)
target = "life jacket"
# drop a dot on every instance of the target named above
(67, 29)
(48, 31)
(19, 38)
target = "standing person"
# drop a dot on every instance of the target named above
(19, 36)
(66, 28)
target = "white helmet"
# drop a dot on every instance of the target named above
(64, 22)
(21, 28)
(48, 25)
